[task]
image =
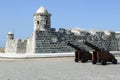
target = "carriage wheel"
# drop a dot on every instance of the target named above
(94, 62)
(114, 61)
(94, 57)
(103, 62)
(83, 60)
(76, 56)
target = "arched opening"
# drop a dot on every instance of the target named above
(37, 22)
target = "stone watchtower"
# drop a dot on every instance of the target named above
(42, 19)
(42, 24)
(9, 42)
(10, 36)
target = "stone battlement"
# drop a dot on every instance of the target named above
(45, 39)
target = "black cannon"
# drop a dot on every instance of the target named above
(100, 55)
(81, 55)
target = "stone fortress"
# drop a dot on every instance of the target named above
(45, 39)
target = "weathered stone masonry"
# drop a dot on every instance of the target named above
(45, 39)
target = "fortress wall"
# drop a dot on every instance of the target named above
(45, 39)
(118, 40)
(30, 45)
(11, 46)
(54, 42)
(21, 46)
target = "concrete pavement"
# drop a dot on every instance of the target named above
(57, 69)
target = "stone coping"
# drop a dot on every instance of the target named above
(43, 55)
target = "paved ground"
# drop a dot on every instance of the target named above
(56, 69)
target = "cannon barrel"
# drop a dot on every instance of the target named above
(92, 46)
(80, 54)
(74, 46)
(100, 55)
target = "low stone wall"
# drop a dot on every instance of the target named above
(42, 55)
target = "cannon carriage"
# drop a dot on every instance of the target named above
(80, 54)
(100, 55)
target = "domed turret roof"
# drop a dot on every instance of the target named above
(10, 33)
(41, 10)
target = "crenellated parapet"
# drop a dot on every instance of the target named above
(45, 39)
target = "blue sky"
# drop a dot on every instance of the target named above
(17, 15)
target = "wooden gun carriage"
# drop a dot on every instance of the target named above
(81, 55)
(100, 55)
